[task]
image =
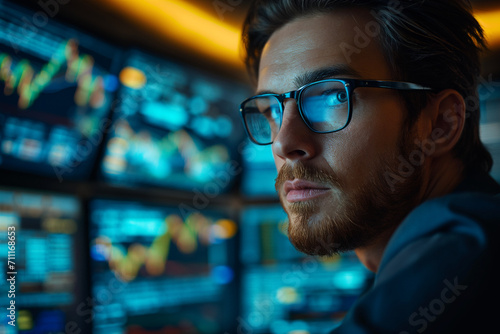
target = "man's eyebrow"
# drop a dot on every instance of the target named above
(325, 73)
(320, 74)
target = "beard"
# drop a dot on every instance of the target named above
(351, 219)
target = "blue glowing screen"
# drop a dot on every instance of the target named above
(174, 127)
(283, 290)
(157, 269)
(489, 95)
(258, 164)
(48, 284)
(56, 89)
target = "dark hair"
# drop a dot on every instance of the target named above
(435, 43)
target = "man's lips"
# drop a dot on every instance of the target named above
(301, 190)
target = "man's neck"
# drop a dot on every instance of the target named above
(370, 256)
(445, 175)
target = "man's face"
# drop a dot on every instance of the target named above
(333, 186)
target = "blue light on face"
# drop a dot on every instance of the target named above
(222, 274)
(316, 108)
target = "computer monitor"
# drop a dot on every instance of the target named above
(489, 102)
(41, 240)
(175, 127)
(57, 87)
(284, 291)
(161, 269)
(258, 164)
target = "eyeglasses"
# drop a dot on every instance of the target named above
(325, 106)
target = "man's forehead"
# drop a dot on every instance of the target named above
(312, 43)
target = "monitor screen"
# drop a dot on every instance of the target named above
(174, 127)
(258, 164)
(56, 89)
(41, 240)
(160, 269)
(489, 95)
(285, 291)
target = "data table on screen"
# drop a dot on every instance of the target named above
(48, 246)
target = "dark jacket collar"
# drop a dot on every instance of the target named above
(478, 182)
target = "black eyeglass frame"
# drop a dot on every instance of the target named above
(349, 84)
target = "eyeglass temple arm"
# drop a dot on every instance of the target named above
(391, 85)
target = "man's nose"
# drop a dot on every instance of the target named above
(295, 141)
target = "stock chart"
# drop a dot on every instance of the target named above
(155, 269)
(176, 127)
(56, 89)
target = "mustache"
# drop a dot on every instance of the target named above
(300, 171)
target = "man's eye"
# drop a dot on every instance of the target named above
(335, 97)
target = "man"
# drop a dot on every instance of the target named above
(371, 109)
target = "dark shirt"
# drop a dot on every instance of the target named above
(439, 272)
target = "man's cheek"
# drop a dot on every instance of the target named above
(278, 162)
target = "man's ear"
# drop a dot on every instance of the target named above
(446, 110)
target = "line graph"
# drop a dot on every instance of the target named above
(187, 236)
(22, 78)
(163, 156)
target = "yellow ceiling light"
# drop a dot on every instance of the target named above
(490, 21)
(186, 24)
(210, 36)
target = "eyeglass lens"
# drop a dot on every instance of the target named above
(263, 118)
(324, 107)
